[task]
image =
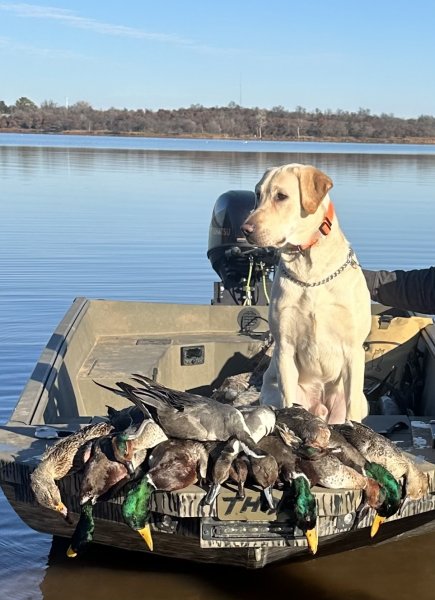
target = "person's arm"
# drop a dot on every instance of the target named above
(409, 290)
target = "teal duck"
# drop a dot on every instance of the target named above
(65, 457)
(264, 471)
(227, 464)
(239, 472)
(130, 446)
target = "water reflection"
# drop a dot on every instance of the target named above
(378, 572)
(133, 224)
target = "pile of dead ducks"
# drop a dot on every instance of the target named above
(167, 440)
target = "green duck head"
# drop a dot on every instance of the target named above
(84, 531)
(123, 450)
(305, 510)
(135, 509)
(392, 494)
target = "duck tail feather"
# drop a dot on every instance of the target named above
(143, 379)
(142, 397)
(175, 398)
(111, 389)
(164, 395)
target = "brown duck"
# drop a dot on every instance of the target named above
(324, 468)
(66, 456)
(176, 464)
(312, 430)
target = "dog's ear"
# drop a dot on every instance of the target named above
(314, 185)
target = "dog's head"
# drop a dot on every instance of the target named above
(287, 200)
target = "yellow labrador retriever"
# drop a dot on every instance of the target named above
(320, 311)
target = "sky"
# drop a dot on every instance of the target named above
(336, 54)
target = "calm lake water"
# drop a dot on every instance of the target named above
(128, 218)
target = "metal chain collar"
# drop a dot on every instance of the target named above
(350, 260)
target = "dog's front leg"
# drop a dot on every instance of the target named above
(270, 393)
(353, 381)
(280, 381)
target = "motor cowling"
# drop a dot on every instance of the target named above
(231, 255)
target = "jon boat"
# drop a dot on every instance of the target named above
(195, 347)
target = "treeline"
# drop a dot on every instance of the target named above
(232, 121)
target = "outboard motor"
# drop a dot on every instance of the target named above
(245, 270)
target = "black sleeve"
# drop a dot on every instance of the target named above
(408, 290)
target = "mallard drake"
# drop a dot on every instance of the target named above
(350, 456)
(378, 449)
(66, 456)
(84, 531)
(107, 467)
(174, 464)
(312, 430)
(187, 416)
(130, 446)
(303, 502)
(136, 511)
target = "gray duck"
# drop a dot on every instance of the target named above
(187, 416)
(260, 421)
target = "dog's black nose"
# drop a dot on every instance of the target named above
(247, 228)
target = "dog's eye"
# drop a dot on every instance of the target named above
(280, 197)
(257, 198)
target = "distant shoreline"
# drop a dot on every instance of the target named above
(329, 139)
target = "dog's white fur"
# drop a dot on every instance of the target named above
(319, 331)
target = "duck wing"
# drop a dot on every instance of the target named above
(346, 452)
(174, 398)
(311, 429)
(375, 447)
